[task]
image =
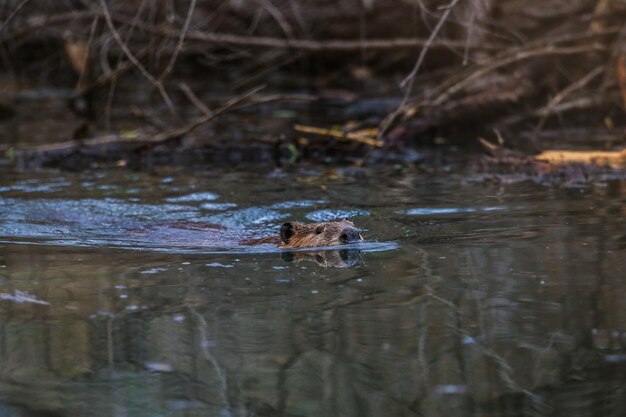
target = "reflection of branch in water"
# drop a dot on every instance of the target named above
(329, 356)
(204, 343)
(282, 388)
(416, 403)
(424, 265)
(504, 370)
(596, 319)
(110, 352)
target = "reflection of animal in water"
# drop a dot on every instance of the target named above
(344, 258)
(294, 235)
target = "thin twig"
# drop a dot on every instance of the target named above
(345, 136)
(278, 16)
(123, 46)
(574, 104)
(19, 7)
(557, 99)
(100, 145)
(281, 97)
(148, 118)
(156, 83)
(110, 75)
(329, 45)
(39, 22)
(86, 67)
(193, 98)
(450, 90)
(409, 79)
(244, 100)
(208, 356)
(181, 40)
(233, 103)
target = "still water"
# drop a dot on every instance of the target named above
(468, 298)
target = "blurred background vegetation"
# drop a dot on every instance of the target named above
(280, 81)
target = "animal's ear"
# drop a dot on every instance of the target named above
(287, 256)
(286, 231)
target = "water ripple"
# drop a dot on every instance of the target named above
(202, 196)
(329, 215)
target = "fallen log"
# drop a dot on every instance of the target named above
(104, 148)
(612, 159)
(555, 160)
(120, 146)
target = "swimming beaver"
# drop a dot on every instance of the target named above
(294, 235)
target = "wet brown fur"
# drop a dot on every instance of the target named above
(295, 235)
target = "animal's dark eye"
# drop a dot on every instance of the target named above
(319, 229)
(286, 231)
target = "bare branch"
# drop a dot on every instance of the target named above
(181, 40)
(157, 83)
(19, 7)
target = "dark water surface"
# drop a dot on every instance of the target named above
(469, 298)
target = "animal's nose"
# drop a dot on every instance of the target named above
(350, 234)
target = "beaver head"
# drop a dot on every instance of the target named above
(300, 235)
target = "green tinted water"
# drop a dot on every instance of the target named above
(468, 298)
